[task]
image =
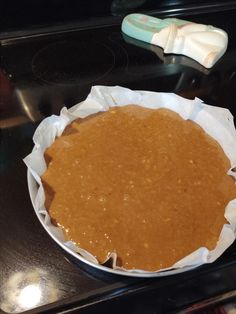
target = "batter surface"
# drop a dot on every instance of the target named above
(143, 183)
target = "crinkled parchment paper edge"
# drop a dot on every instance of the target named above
(216, 121)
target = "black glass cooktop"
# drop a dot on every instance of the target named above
(38, 76)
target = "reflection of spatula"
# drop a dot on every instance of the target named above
(203, 43)
(168, 59)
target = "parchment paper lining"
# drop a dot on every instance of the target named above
(217, 122)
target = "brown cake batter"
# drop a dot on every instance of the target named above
(143, 183)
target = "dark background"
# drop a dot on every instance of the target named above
(29, 16)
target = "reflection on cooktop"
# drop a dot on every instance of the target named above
(69, 62)
(26, 290)
(160, 57)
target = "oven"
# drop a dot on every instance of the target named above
(51, 55)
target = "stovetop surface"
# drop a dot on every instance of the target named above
(38, 77)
